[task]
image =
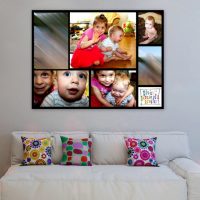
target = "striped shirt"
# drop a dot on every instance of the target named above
(111, 100)
(54, 100)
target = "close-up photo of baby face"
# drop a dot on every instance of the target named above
(149, 24)
(43, 80)
(119, 90)
(71, 84)
(117, 36)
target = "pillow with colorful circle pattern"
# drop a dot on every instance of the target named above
(37, 151)
(76, 151)
(141, 152)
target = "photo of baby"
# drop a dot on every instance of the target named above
(110, 46)
(68, 89)
(104, 40)
(113, 88)
(150, 27)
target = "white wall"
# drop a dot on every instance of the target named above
(182, 81)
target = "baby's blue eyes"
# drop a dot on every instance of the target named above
(81, 76)
(67, 74)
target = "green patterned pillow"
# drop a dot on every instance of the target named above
(36, 151)
(76, 151)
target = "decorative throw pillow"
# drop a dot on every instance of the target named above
(36, 151)
(76, 151)
(141, 152)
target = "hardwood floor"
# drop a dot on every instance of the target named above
(128, 44)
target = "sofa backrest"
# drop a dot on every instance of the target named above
(109, 147)
(17, 147)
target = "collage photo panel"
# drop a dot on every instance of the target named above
(97, 60)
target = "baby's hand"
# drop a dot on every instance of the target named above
(145, 36)
(109, 49)
(95, 37)
(118, 102)
(125, 52)
(104, 49)
(103, 94)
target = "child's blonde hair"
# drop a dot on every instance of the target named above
(113, 29)
(122, 77)
(151, 18)
(100, 19)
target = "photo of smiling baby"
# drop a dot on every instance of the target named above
(113, 88)
(70, 90)
(118, 94)
(150, 28)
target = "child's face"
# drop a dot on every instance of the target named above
(118, 90)
(117, 36)
(43, 80)
(106, 77)
(149, 24)
(99, 28)
(71, 84)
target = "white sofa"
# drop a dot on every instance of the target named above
(176, 178)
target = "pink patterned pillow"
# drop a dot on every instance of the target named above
(141, 152)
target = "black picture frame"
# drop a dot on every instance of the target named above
(148, 93)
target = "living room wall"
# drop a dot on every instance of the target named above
(182, 71)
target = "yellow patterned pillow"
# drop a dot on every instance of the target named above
(36, 151)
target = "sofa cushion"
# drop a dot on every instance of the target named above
(109, 147)
(141, 152)
(96, 182)
(76, 151)
(57, 144)
(36, 151)
(17, 147)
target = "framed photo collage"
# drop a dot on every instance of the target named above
(109, 59)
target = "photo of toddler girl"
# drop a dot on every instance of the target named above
(87, 52)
